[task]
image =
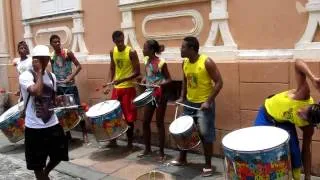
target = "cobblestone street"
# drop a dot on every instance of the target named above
(14, 169)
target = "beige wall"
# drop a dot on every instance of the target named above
(269, 24)
(17, 26)
(101, 18)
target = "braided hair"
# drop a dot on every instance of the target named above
(314, 114)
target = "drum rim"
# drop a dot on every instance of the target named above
(3, 118)
(258, 151)
(104, 114)
(178, 118)
(148, 96)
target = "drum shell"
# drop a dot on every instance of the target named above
(108, 126)
(273, 163)
(69, 118)
(188, 139)
(13, 127)
(143, 101)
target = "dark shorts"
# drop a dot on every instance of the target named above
(204, 119)
(61, 90)
(43, 143)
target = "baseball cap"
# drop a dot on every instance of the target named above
(40, 50)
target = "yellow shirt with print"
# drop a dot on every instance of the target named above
(123, 66)
(285, 109)
(199, 82)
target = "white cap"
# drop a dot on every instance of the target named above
(40, 50)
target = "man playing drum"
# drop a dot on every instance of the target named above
(201, 84)
(294, 107)
(44, 135)
(124, 68)
(61, 62)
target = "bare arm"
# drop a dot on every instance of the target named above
(166, 74)
(112, 67)
(76, 63)
(215, 75)
(36, 89)
(184, 87)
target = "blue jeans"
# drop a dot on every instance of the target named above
(205, 119)
(262, 119)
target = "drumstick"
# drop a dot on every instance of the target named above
(147, 85)
(108, 84)
(2, 91)
(60, 108)
(188, 106)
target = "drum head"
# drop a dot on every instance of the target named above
(181, 125)
(10, 112)
(255, 138)
(103, 108)
(142, 96)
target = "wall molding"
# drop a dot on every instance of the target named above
(195, 31)
(78, 43)
(65, 42)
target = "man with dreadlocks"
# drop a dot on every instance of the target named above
(294, 108)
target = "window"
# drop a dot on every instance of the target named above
(50, 7)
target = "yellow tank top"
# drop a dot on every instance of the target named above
(123, 66)
(283, 108)
(199, 83)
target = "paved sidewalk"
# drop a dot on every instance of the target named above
(96, 162)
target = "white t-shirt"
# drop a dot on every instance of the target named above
(23, 65)
(31, 120)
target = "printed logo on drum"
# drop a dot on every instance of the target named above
(192, 80)
(288, 114)
(119, 63)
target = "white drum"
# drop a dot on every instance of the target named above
(143, 99)
(106, 120)
(184, 132)
(12, 125)
(260, 152)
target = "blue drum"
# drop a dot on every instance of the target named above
(12, 125)
(106, 120)
(69, 118)
(260, 152)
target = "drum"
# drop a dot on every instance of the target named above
(185, 133)
(65, 100)
(143, 99)
(12, 125)
(106, 120)
(69, 118)
(260, 152)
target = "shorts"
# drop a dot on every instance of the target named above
(43, 143)
(204, 119)
(61, 90)
(126, 97)
(263, 119)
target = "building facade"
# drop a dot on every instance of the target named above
(254, 44)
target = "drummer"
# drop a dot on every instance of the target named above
(24, 62)
(157, 73)
(44, 136)
(294, 108)
(61, 62)
(201, 84)
(124, 67)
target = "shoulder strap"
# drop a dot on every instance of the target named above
(51, 78)
(28, 98)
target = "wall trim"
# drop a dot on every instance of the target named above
(65, 29)
(195, 31)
